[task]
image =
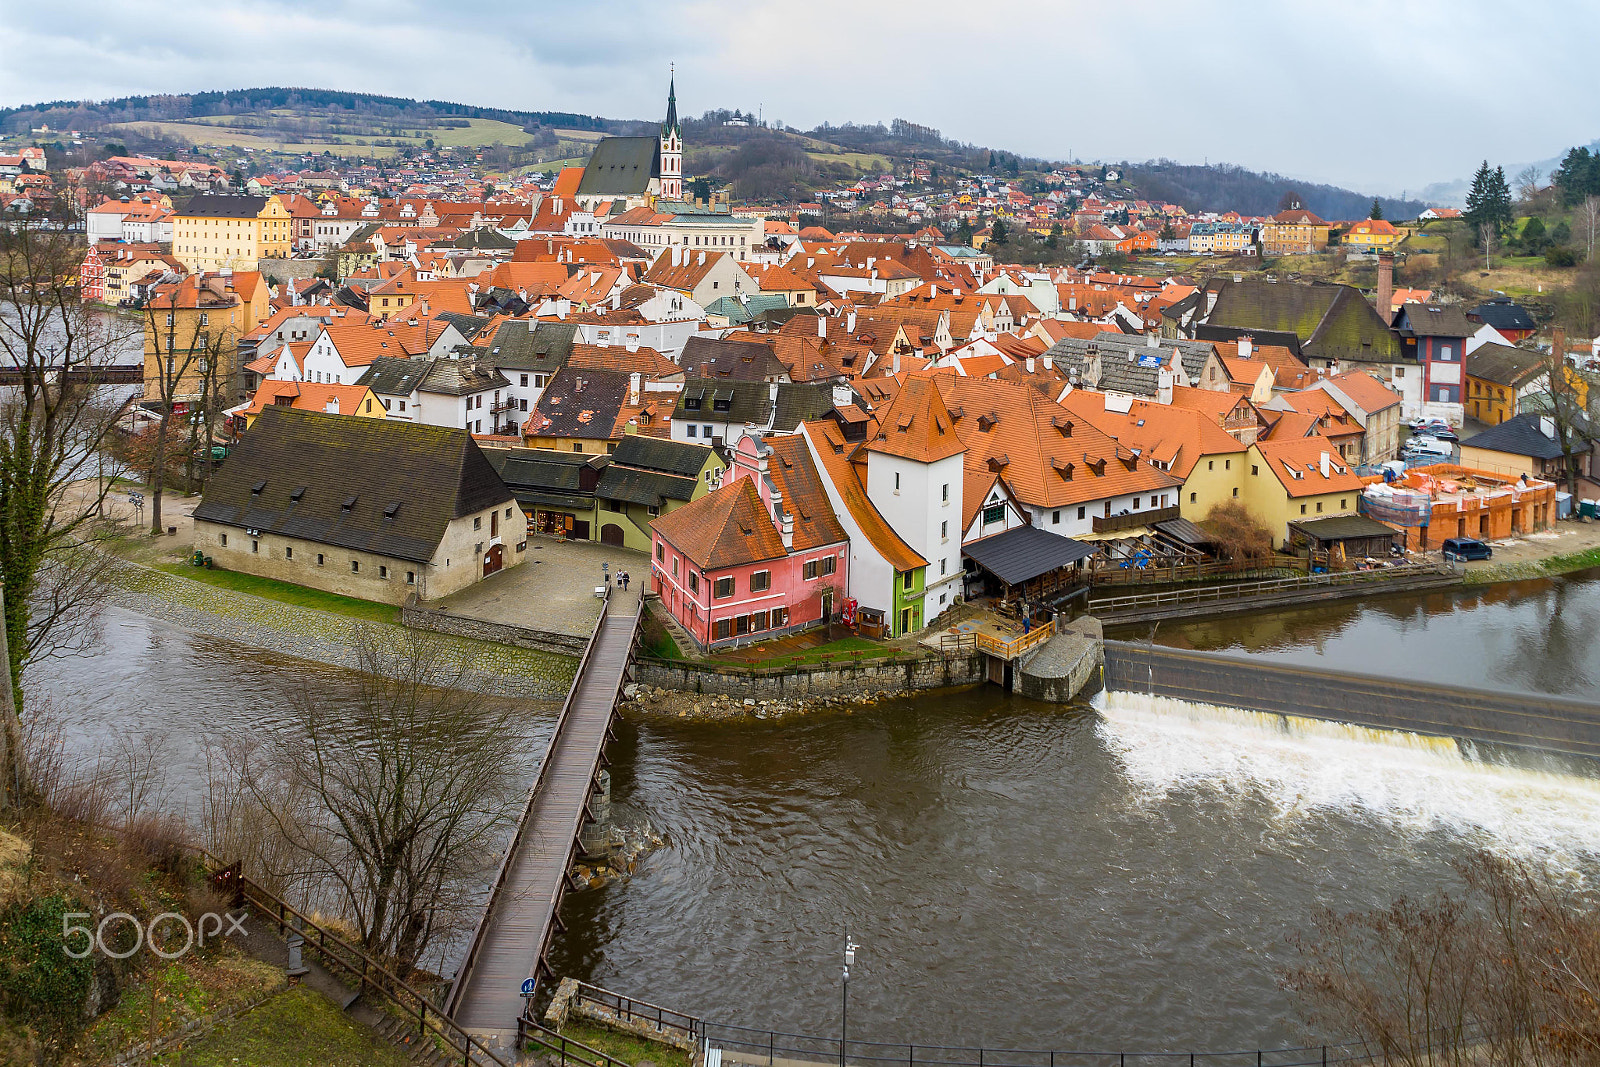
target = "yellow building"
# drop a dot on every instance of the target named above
(1371, 234)
(354, 400)
(1296, 232)
(187, 322)
(1300, 478)
(214, 230)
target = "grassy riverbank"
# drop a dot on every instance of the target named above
(1526, 569)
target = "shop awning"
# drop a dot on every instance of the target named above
(1025, 553)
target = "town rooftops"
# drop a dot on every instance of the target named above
(621, 166)
(1434, 320)
(1505, 365)
(1503, 313)
(222, 206)
(369, 485)
(655, 453)
(523, 345)
(579, 403)
(1297, 463)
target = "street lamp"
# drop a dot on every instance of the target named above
(844, 1011)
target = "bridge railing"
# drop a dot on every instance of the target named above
(370, 973)
(475, 946)
(1238, 590)
(1015, 647)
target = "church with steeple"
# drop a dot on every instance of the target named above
(630, 172)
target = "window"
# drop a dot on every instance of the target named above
(577, 446)
(661, 551)
(1211, 464)
(411, 577)
(996, 513)
(402, 405)
(1135, 503)
(1236, 490)
(908, 579)
(721, 629)
(897, 481)
(943, 565)
(255, 546)
(355, 566)
(760, 581)
(1193, 497)
(1082, 512)
(319, 559)
(1342, 501)
(780, 617)
(523, 404)
(946, 492)
(944, 530)
(722, 588)
(1227, 464)
(1319, 505)
(808, 570)
(829, 564)
(1254, 470)
(477, 522)
(288, 552)
(690, 431)
(674, 566)
(224, 540)
(694, 582)
(758, 622)
(383, 572)
(1302, 509)
(524, 379)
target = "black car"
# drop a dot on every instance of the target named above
(1466, 548)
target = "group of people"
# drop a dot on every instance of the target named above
(622, 580)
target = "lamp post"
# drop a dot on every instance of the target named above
(844, 1006)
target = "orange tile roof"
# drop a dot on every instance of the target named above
(1174, 437)
(795, 476)
(1366, 390)
(727, 528)
(915, 425)
(846, 477)
(1296, 463)
(307, 396)
(642, 360)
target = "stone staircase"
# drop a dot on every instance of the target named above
(419, 1047)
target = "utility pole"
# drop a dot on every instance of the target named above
(844, 1006)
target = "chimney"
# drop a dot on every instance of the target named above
(822, 327)
(894, 366)
(1049, 362)
(702, 258)
(850, 321)
(1558, 344)
(631, 343)
(1029, 364)
(1246, 346)
(788, 530)
(772, 392)
(1072, 303)
(1164, 386)
(842, 396)
(603, 338)
(1152, 341)
(1385, 284)
(1324, 464)
(633, 388)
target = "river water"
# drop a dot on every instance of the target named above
(1017, 875)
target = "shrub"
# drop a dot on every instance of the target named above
(1239, 534)
(1561, 256)
(38, 980)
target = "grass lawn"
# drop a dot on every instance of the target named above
(1575, 561)
(297, 1028)
(287, 593)
(625, 1047)
(846, 648)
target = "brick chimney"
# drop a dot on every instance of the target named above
(1385, 298)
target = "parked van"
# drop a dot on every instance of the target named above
(1466, 548)
(1427, 446)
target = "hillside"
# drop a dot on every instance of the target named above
(728, 147)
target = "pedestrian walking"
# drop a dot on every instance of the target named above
(624, 581)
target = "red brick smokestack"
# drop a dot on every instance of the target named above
(1386, 285)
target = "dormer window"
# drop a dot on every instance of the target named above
(348, 505)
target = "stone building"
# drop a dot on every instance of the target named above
(370, 508)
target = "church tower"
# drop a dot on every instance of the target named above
(672, 147)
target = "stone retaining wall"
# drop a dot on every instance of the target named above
(444, 622)
(814, 679)
(1065, 666)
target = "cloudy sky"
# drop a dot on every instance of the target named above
(1382, 95)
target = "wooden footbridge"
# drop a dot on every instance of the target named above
(522, 913)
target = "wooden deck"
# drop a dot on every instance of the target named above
(520, 917)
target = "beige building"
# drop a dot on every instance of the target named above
(215, 230)
(368, 508)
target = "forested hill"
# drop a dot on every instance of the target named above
(91, 114)
(1224, 187)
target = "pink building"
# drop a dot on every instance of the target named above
(761, 557)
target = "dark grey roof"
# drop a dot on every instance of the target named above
(660, 454)
(1345, 528)
(1209, 331)
(749, 402)
(1519, 436)
(1025, 552)
(800, 402)
(482, 238)
(726, 359)
(1434, 320)
(223, 206)
(543, 347)
(544, 476)
(1333, 322)
(1504, 365)
(1187, 532)
(467, 325)
(621, 166)
(635, 486)
(1193, 354)
(391, 376)
(1503, 313)
(458, 377)
(581, 403)
(369, 485)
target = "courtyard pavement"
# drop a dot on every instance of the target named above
(553, 589)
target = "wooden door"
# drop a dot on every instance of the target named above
(611, 534)
(494, 559)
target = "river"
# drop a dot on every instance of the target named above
(1017, 875)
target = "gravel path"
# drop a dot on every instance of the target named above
(321, 636)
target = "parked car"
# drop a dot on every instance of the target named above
(1466, 548)
(1422, 446)
(1437, 428)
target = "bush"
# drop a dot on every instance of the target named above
(38, 980)
(1561, 256)
(1239, 534)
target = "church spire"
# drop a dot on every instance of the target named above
(671, 125)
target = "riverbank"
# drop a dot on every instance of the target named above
(321, 636)
(655, 703)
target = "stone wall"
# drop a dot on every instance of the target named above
(856, 678)
(1068, 664)
(443, 622)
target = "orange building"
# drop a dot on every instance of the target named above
(1431, 504)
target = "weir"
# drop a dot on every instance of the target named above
(1527, 721)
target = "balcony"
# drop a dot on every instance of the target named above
(1115, 523)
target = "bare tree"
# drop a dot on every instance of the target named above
(393, 803)
(1588, 215)
(56, 416)
(186, 361)
(1568, 400)
(1502, 973)
(1489, 241)
(1528, 182)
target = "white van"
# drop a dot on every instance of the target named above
(1422, 445)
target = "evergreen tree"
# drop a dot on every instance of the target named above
(1533, 235)
(998, 232)
(1489, 201)
(1377, 210)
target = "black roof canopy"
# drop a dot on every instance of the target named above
(1025, 553)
